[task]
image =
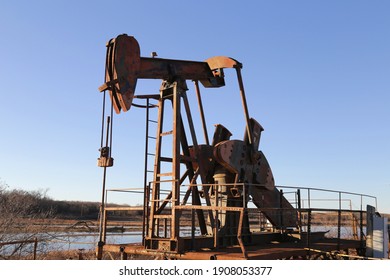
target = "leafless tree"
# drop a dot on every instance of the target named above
(19, 210)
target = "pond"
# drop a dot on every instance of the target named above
(52, 241)
(88, 240)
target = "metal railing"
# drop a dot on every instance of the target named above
(21, 242)
(303, 205)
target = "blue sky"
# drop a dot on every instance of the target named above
(316, 75)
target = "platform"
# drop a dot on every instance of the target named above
(270, 251)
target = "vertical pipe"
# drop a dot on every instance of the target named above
(105, 220)
(354, 221)
(245, 214)
(110, 125)
(281, 211)
(103, 115)
(361, 225)
(216, 220)
(177, 90)
(104, 235)
(102, 210)
(144, 217)
(147, 209)
(123, 254)
(165, 228)
(244, 186)
(35, 247)
(299, 212)
(308, 230)
(193, 224)
(192, 229)
(339, 223)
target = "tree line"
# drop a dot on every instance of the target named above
(29, 204)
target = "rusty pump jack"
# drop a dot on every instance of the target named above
(232, 172)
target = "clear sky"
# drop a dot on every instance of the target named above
(316, 74)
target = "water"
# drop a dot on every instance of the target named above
(88, 240)
(345, 232)
(52, 241)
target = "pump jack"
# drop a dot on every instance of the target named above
(232, 172)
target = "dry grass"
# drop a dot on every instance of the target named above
(86, 255)
(68, 255)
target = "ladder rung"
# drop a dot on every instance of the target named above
(164, 174)
(166, 133)
(162, 216)
(153, 121)
(160, 200)
(166, 159)
(152, 137)
(151, 154)
(150, 171)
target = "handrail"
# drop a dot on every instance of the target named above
(35, 241)
(339, 209)
(240, 185)
(325, 190)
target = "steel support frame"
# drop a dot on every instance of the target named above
(176, 93)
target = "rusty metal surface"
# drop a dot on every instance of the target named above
(220, 62)
(264, 252)
(124, 66)
(235, 156)
(223, 177)
(276, 207)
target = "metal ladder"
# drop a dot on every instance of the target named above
(163, 229)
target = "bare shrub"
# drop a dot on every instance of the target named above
(19, 210)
